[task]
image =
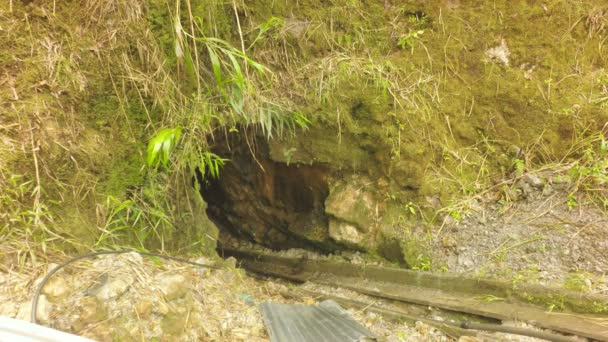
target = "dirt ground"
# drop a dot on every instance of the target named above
(129, 297)
(545, 237)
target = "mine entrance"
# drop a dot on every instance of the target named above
(266, 202)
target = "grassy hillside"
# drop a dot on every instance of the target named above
(429, 101)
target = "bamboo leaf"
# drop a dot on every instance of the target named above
(215, 63)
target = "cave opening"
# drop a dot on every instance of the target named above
(262, 201)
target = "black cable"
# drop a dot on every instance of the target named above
(94, 254)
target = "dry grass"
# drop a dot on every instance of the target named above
(597, 22)
(60, 57)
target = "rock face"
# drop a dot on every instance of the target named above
(283, 205)
(346, 233)
(353, 212)
(272, 203)
(173, 286)
(349, 202)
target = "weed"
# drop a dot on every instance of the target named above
(423, 263)
(576, 282)
(407, 40)
(519, 167)
(136, 220)
(572, 202)
(410, 208)
(211, 163)
(272, 24)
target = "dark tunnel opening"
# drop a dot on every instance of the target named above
(270, 203)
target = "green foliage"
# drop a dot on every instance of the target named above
(575, 282)
(273, 120)
(407, 40)
(590, 172)
(212, 163)
(519, 167)
(161, 146)
(270, 25)
(410, 208)
(423, 263)
(456, 214)
(134, 221)
(571, 202)
(244, 98)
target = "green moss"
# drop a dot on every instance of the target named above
(575, 282)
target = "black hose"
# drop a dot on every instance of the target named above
(94, 254)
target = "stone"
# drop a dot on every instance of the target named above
(499, 53)
(160, 308)
(56, 288)
(533, 180)
(524, 188)
(173, 286)
(448, 241)
(350, 202)
(113, 288)
(434, 201)
(43, 309)
(92, 310)
(144, 308)
(345, 233)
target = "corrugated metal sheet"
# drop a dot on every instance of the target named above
(325, 322)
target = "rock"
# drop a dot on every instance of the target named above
(92, 310)
(345, 233)
(229, 262)
(349, 202)
(499, 53)
(448, 241)
(533, 180)
(524, 188)
(160, 308)
(43, 310)
(247, 299)
(465, 261)
(144, 308)
(173, 286)
(434, 201)
(113, 288)
(227, 276)
(57, 288)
